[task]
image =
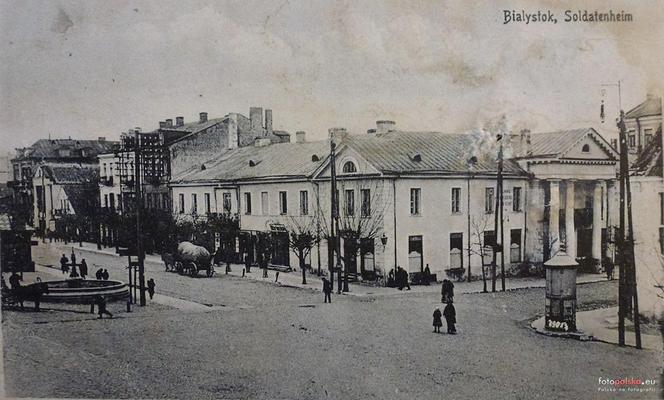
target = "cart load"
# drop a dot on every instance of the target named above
(189, 259)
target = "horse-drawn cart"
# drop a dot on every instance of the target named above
(189, 259)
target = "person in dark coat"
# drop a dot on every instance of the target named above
(151, 286)
(99, 274)
(264, 266)
(427, 275)
(404, 279)
(104, 275)
(327, 289)
(83, 269)
(64, 264)
(437, 320)
(247, 263)
(101, 307)
(14, 281)
(450, 317)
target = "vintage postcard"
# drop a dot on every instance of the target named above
(335, 199)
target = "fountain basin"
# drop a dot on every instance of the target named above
(84, 291)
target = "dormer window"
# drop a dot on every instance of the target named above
(585, 148)
(315, 158)
(417, 157)
(349, 167)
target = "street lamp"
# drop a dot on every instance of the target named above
(383, 240)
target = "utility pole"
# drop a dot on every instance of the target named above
(139, 205)
(630, 299)
(332, 241)
(500, 198)
(497, 245)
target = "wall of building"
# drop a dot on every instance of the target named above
(648, 253)
(198, 148)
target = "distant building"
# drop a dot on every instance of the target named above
(65, 193)
(49, 151)
(15, 242)
(642, 124)
(429, 204)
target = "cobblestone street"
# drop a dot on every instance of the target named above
(260, 340)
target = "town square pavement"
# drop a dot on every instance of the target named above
(247, 338)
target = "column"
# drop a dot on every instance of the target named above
(597, 221)
(554, 212)
(570, 229)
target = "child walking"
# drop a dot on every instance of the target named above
(437, 320)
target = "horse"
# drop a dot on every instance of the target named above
(32, 292)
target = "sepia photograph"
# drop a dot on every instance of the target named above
(331, 199)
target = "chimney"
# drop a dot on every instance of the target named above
(162, 124)
(300, 136)
(384, 126)
(233, 137)
(137, 129)
(202, 117)
(338, 133)
(256, 119)
(524, 143)
(102, 138)
(268, 122)
(169, 123)
(179, 121)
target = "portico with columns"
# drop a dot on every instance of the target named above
(572, 200)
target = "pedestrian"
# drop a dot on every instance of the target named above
(247, 263)
(276, 277)
(83, 268)
(427, 275)
(99, 274)
(104, 275)
(101, 307)
(151, 286)
(64, 264)
(74, 273)
(264, 266)
(450, 317)
(14, 281)
(404, 277)
(608, 265)
(399, 278)
(437, 320)
(327, 290)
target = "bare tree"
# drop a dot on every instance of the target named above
(302, 237)
(477, 245)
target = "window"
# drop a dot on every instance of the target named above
(264, 204)
(415, 194)
(631, 139)
(103, 170)
(516, 199)
(164, 200)
(515, 245)
(647, 136)
(614, 144)
(350, 202)
(247, 203)
(111, 201)
(304, 202)
(283, 203)
(585, 148)
(194, 203)
(349, 167)
(181, 201)
(105, 199)
(208, 209)
(456, 200)
(661, 240)
(456, 253)
(365, 211)
(226, 202)
(489, 200)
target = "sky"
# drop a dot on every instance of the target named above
(97, 68)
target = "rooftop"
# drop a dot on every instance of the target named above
(79, 148)
(652, 106)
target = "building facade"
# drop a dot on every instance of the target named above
(418, 199)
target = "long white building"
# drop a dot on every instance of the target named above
(431, 195)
